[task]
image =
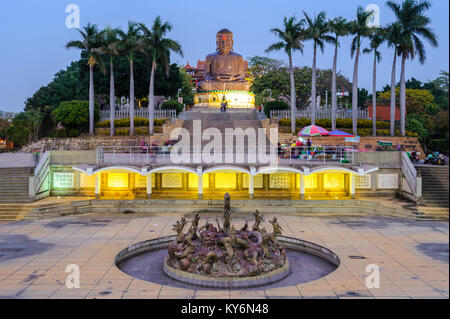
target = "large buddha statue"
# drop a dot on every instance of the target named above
(225, 69)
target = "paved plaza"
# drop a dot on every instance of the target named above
(412, 256)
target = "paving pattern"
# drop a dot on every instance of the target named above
(413, 257)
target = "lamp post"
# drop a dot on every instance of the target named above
(178, 94)
(270, 95)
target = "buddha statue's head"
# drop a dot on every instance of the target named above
(224, 40)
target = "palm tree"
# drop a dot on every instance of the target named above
(317, 30)
(339, 27)
(377, 37)
(90, 43)
(393, 35)
(110, 47)
(158, 48)
(291, 37)
(360, 30)
(129, 45)
(414, 24)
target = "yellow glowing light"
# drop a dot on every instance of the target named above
(310, 181)
(117, 180)
(333, 181)
(225, 180)
(193, 180)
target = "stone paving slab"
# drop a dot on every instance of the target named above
(412, 256)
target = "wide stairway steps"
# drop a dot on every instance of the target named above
(14, 184)
(435, 185)
(14, 211)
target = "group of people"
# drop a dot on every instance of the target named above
(295, 147)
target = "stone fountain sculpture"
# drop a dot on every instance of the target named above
(225, 252)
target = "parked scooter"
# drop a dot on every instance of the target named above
(436, 159)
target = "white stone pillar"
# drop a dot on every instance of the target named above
(352, 185)
(149, 186)
(97, 185)
(251, 186)
(200, 182)
(302, 186)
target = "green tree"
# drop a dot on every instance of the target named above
(110, 47)
(291, 37)
(393, 37)
(91, 41)
(414, 24)
(377, 37)
(75, 114)
(317, 30)
(157, 47)
(339, 27)
(359, 30)
(129, 45)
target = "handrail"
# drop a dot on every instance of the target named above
(320, 114)
(125, 113)
(41, 171)
(284, 154)
(410, 173)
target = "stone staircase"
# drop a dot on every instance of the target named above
(12, 212)
(434, 185)
(51, 210)
(14, 184)
(213, 118)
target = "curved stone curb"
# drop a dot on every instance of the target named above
(228, 283)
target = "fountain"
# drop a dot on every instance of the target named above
(225, 257)
(219, 256)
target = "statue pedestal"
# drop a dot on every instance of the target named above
(235, 99)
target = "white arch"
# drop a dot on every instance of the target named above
(330, 168)
(229, 168)
(166, 168)
(275, 169)
(91, 170)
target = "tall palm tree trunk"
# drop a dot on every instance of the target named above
(313, 88)
(374, 96)
(355, 95)
(403, 97)
(131, 98)
(151, 98)
(293, 97)
(394, 66)
(333, 91)
(91, 100)
(112, 99)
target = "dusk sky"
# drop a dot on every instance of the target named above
(34, 33)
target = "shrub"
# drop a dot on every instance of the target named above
(141, 131)
(275, 105)
(138, 121)
(122, 132)
(172, 105)
(73, 133)
(75, 114)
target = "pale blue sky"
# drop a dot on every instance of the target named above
(33, 34)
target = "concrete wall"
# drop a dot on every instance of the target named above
(378, 158)
(10, 160)
(73, 157)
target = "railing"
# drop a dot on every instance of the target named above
(125, 113)
(137, 155)
(41, 171)
(411, 177)
(320, 114)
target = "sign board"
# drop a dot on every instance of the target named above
(353, 139)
